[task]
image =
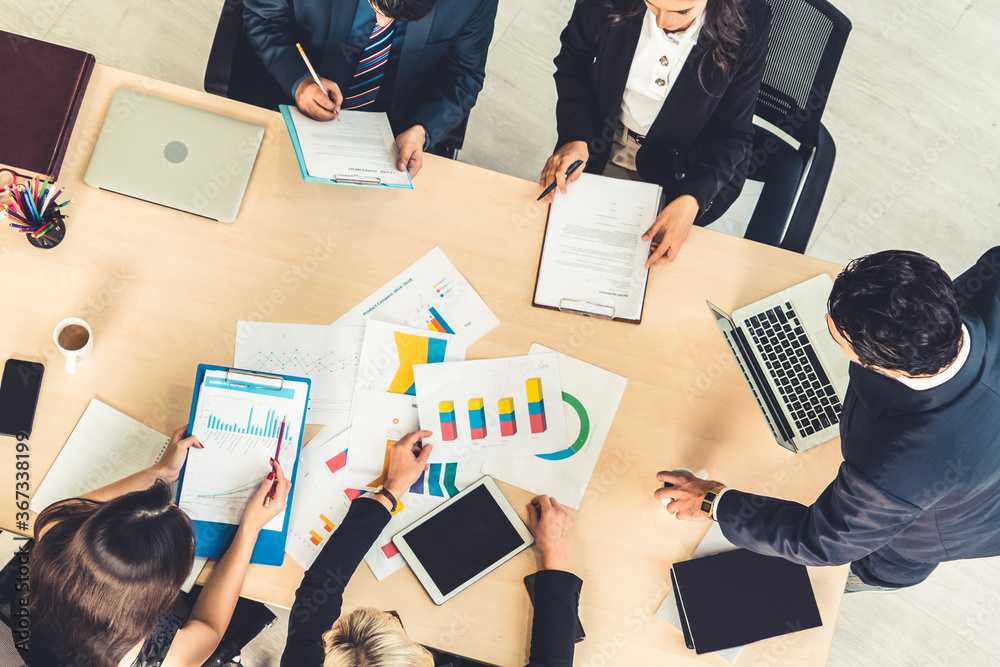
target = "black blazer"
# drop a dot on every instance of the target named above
(320, 596)
(441, 67)
(921, 469)
(700, 143)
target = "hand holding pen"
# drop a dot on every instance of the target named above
(568, 158)
(277, 454)
(320, 101)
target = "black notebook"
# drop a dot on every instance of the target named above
(739, 597)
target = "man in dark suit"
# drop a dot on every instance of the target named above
(421, 61)
(920, 432)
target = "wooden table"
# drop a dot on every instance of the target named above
(163, 291)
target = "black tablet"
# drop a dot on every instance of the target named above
(463, 540)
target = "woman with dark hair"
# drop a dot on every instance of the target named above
(107, 568)
(662, 91)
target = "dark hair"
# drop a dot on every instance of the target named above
(104, 573)
(726, 28)
(404, 10)
(899, 312)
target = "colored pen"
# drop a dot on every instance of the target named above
(44, 189)
(552, 186)
(311, 70)
(66, 203)
(277, 453)
(44, 230)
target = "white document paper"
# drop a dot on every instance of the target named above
(104, 447)
(327, 355)
(713, 543)
(590, 397)
(320, 504)
(492, 408)
(431, 294)
(239, 427)
(358, 145)
(196, 568)
(390, 352)
(593, 256)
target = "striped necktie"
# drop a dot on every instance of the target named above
(368, 75)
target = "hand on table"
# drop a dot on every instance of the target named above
(556, 166)
(258, 512)
(407, 462)
(411, 149)
(313, 102)
(675, 221)
(552, 528)
(168, 468)
(687, 493)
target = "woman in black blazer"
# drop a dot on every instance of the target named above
(698, 143)
(319, 635)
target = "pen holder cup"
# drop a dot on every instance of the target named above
(54, 236)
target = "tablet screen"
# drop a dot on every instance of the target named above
(463, 539)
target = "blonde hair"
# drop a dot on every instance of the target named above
(367, 637)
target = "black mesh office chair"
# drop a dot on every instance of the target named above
(249, 619)
(806, 43)
(235, 71)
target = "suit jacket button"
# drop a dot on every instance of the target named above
(681, 175)
(674, 152)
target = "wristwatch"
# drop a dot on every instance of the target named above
(708, 504)
(385, 492)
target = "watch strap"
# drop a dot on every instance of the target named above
(708, 503)
(392, 499)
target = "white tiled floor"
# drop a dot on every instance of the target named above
(914, 113)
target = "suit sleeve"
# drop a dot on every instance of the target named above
(731, 125)
(574, 64)
(557, 599)
(270, 27)
(321, 594)
(461, 78)
(852, 518)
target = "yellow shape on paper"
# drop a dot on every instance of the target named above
(411, 350)
(534, 387)
(475, 404)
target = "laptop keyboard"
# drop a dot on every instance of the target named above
(795, 369)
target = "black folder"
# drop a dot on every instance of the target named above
(739, 597)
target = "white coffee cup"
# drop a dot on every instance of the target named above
(75, 340)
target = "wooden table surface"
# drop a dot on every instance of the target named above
(163, 291)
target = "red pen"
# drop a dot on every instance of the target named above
(277, 453)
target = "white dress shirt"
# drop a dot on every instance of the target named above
(923, 384)
(659, 59)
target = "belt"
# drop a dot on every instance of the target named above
(635, 136)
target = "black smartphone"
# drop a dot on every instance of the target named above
(22, 380)
(578, 634)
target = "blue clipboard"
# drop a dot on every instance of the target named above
(350, 180)
(213, 538)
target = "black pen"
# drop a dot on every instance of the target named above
(569, 172)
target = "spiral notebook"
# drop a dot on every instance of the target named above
(104, 447)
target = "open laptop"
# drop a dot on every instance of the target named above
(174, 155)
(795, 370)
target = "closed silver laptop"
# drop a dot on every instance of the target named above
(174, 155)
(796, 371)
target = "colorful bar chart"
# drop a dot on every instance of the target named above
(536, 405)
(327, 524)
(477, 418)
(508, 424)
(446, 410)
(438, 323)
(315, 538)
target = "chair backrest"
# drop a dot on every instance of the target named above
(807, 40)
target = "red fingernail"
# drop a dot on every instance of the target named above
(270, 475)
(200, 446)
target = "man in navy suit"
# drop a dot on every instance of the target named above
(421, 61)
(920, 432)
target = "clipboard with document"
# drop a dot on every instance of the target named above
(238, 416)
(358, 148)
(593, 257)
